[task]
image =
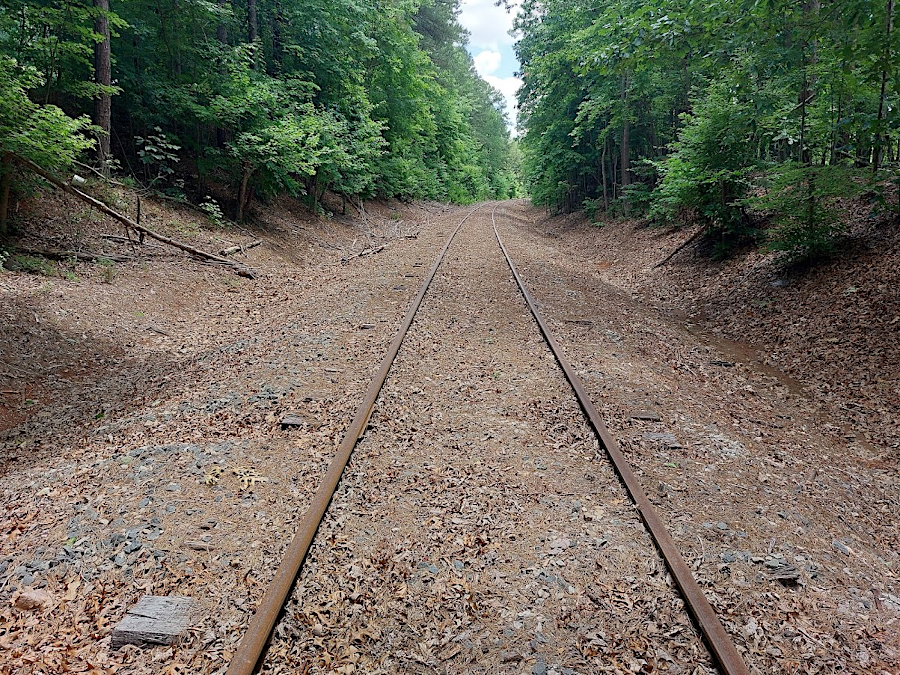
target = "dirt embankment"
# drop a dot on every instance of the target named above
(831, 330)
(80, 340)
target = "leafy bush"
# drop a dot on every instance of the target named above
(804, 202)
(159, 156)
(591, 208)
(42, 133)
(32, 265)
(213, 211)
(707, 172)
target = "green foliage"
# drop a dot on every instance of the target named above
(32, 265)
(41, 133)
(805, 204)
(706, 174)
(709, 93)
(330, 95)
(158, 155)
(213, 211)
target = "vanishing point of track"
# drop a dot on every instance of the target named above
(251, 650)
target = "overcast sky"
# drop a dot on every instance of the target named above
(491, 46)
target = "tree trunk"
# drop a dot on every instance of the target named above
(252, 21)
(603, 174)
(807, 89)
(879, 137)
(252, 30)
(103, 77)
(242, 194)
(625, 148)
(222, 38)
(5, 183)
(838, 116)
(277, 37)
(626, 136)
(222, 28)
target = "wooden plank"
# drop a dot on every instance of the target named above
(154, 620)
(292, 419)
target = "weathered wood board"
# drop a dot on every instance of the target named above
(154, 620)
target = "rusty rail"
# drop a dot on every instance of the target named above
(252, 647)
(720, 644)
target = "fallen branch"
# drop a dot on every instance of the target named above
(84, 256)
(126, 240)
(364, 253)
(240, 248)
(241, 270)
(678, 250)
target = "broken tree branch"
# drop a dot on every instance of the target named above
(240, 248)
(678, 250)
(126, 240)
(84, 256)
(241, 270)
(363, 254)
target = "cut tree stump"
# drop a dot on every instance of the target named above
(154, 620)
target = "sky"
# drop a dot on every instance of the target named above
(491, 46)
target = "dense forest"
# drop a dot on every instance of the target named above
(734, 113)
(254, 98)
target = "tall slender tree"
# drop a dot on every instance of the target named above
(103, 78)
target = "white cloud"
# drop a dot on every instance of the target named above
(488, 25)
(487, 62)
(490, 41)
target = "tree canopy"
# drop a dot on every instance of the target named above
(261, 96)
(711, 109)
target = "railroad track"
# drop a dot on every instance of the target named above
(252, 648)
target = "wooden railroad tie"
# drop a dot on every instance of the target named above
(154, 620)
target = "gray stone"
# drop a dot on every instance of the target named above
(722, 526)
(539, 668)
(841, 546)
(173, 487)
(459, 564)
(668, 440)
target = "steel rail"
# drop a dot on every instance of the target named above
(252, 647)
(720, 644)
